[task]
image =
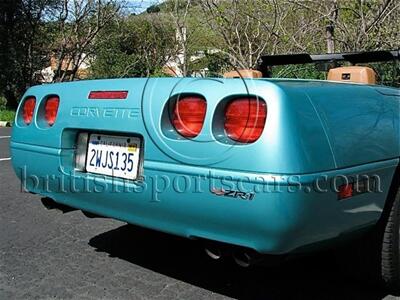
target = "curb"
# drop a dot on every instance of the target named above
(4, 124)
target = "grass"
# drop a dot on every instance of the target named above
(7, 115)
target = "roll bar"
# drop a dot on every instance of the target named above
(267, 61)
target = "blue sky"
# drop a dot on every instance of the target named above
(140, 5)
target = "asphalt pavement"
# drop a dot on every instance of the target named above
(46, 254)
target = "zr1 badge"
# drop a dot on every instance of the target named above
(233, 194)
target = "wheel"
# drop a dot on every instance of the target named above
(390, 250)
(375, 257)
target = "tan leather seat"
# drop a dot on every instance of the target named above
(243, 74)
(357, 74)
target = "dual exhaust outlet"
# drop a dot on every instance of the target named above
(243, 257)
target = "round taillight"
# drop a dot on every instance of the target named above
(28, 109)
(51, 109)
(188, 115)
(245, 119)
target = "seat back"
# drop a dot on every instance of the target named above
(357, 74)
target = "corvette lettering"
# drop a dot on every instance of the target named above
(107, 112)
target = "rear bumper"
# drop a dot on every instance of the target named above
(285, 212)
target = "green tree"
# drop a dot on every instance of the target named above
(79, 24)
(245, 29)
(134, 46)
(23, 45)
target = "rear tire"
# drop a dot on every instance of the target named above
(375, 258)
(390, 252)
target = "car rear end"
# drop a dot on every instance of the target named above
(227, 160)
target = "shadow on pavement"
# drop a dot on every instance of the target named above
(316, 277)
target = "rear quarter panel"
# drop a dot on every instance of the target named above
(361, 122)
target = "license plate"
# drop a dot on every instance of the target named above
(116, 156)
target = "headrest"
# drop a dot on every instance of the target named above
(353, 74)
(243, 74)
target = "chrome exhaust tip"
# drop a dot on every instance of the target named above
(247, 257)
(242, 259)
(213, 251)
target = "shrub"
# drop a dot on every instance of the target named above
(7, 115)
(3, 102)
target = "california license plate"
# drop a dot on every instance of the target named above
(117, 156)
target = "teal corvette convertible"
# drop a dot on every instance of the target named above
(253, 167)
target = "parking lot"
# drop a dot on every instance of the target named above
(46, 254)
